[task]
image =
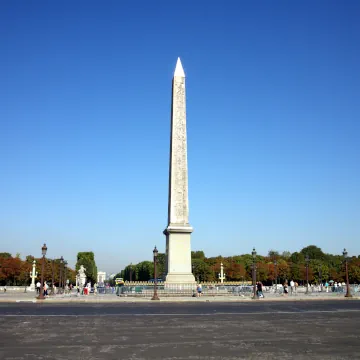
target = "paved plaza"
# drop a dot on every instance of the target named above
(204, 330)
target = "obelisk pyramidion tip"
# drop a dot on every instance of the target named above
(179, 71)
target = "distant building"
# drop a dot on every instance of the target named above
(101, 275)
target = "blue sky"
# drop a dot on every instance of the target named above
(273, 125)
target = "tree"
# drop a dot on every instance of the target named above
(201, 270)
(297, 258)
(262, 272)
(144, 271)
(198, 255)
(313, 252)
(5, 255)
(286, 255)
(87, 259)
(273, 254)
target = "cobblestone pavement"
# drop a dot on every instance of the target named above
(156, 330)
(31, 297)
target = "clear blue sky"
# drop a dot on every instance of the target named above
(273, 95)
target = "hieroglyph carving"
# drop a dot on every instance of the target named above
(179, 180)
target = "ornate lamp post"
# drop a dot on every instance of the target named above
(348, 293)
(43, 251)
(65, 274)
(254, 271)
(60, 275)
(307, 260)
(130, 272)
(155, 296)
(53, 277)
(320, 277)
(275, 270)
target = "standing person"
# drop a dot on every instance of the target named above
(286, 288)
(38, 285)
(199, 290)
(45, 288)
(292, 286)
(259, 289)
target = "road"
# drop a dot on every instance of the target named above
(247, 330)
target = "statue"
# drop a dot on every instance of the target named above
(81, 277)
(81, 271)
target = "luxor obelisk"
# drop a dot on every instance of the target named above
(178, 231)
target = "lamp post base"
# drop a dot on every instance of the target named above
(348, 296)
(155, 297)
(40, 297)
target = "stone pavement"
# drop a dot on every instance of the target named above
(181, 331)
(112, 298)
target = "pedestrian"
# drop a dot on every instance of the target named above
(259, 290)
(199, 290)
(4, 288)
(285, 288)
(292, 287)
(45, 288)
(38, 285)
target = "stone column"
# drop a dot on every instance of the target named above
(33, 275)
(221, 274)
(178, 249)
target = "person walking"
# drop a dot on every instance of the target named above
(45, 289)
(198, 290)
(286, 288)
(38, 285)
(259, 289)
(292, 287)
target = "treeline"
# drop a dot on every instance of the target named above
(284, 266)
(15, 271)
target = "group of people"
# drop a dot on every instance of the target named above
(46, 288)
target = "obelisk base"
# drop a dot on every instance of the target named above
(178, 255)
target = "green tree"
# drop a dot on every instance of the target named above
(273, 254)
(313, 252)
(198, 255)
(286, 255)
(87, 259)
(297, 258)
(144, 271)
(5, 255)
(201, 270)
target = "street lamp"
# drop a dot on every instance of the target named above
(43, 251)
(307, 259)
(155, 296)
(275, 269)
(60, 275)
(320, 277)
(53, 276)
(65, 274)
(348, 293)
(254, 271)
(130, 272)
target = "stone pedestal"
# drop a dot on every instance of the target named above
(178, 252)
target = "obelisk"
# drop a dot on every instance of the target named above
(178, 231)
